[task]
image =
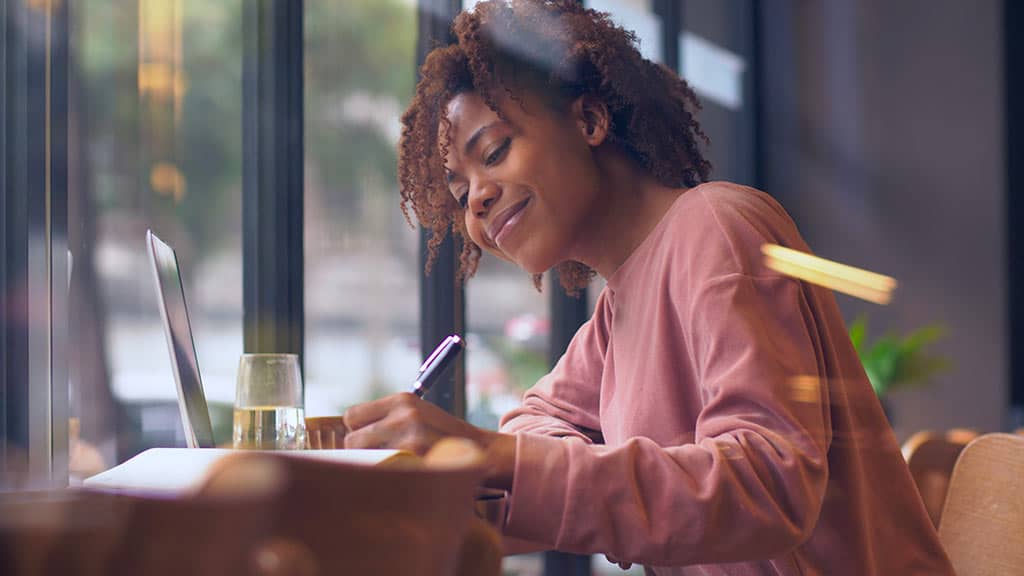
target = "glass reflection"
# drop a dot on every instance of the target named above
(155, 142)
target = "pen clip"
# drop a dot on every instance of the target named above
(434, 354)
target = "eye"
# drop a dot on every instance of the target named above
(495, 155)
(462, 197)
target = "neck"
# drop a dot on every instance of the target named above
(630, 203)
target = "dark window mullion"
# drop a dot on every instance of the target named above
(272, 176)
(57, 236)
(1013, 68)
(671, 14)
(442, 299)
(4, 360)
(33, 225)
(568, 313)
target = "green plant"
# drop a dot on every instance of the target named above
(893, 361)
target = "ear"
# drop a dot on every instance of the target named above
(592, 118)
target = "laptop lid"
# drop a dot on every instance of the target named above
(195, 416)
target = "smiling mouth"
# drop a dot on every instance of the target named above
(505, 221)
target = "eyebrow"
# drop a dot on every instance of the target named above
(470, 143)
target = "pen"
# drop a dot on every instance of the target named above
(434, 365)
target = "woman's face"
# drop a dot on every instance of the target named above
(526, 184)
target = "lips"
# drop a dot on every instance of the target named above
(505, 220)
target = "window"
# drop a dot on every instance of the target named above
(361, 274)
(715, 55)
(155, 139)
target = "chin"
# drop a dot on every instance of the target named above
(535, 269)
(535, 265)
(531, 256)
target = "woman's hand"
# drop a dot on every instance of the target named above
(406, 422)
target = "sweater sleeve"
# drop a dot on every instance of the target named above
(565, 402)
(749, 487)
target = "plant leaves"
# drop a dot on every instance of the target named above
(892, 362)
(883, 356)
(922, 337)
(857, 332)
(876, 383)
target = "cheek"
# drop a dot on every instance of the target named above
(476, 231)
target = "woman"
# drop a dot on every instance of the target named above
(712, 416)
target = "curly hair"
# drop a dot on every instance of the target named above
(558, 50)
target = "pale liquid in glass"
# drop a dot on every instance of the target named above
(269, 428)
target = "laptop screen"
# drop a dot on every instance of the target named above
(195, 417)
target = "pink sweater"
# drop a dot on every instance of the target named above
(685, 427)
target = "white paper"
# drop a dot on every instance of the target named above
(174, 471)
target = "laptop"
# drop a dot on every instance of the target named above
(195, 416)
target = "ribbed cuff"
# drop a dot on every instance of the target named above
(537, 501)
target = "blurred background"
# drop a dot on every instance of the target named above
(885, 128)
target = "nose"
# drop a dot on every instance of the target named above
(482, 196)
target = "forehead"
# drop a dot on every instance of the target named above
(466, 112)
(468, 107)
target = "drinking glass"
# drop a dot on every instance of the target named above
(268, 403)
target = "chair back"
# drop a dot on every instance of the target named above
(261, 514)
(982, 526)
(99, 534)
(407, 517)
(930, 458)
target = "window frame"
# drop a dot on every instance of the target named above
(442, 298)
(273, 308)
(34, 257)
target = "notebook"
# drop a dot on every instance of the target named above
(184, 471)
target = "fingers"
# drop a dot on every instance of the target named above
(387, 435)
(361, 415)
(401, 429)
(379, 434)
(401, 421)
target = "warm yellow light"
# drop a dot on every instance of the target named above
(839, 277)
(161, 80)
(161, 75)
(166, 179)
(805, 389)
(43, 5)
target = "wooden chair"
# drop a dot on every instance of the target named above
(931, 458)
(962, 436)
(262, 514)
(98, 534)
(408, 516)
(481, 551)
(982, 526)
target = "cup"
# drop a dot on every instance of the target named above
(269, 411)
(326, 432)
